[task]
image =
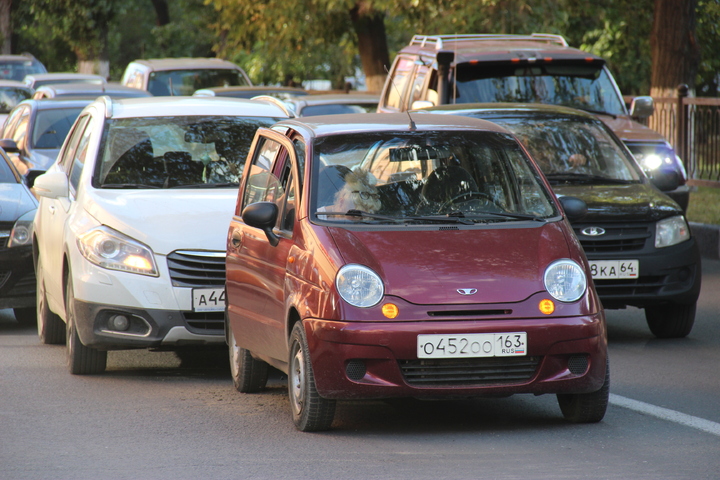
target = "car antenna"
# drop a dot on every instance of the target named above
(392, 82)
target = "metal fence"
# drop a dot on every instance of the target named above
(692, 126)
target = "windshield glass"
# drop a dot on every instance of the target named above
(572, 145)
(52, 126)
(185, 82)
(168, 152)
(425, 177)
(11, 96)
(337, 108)
(578, 86)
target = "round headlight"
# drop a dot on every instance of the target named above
(565, 280)
(359, 286)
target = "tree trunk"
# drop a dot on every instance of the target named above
(5, 27)
(101, 63)
(369, 26)
(162, 12)
(675, 52)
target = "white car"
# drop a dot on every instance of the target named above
(130, 234)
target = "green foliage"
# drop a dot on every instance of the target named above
(704, 206)
(708, 35)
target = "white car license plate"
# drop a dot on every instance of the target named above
(208, 299)
(472, 345)
(610, 269)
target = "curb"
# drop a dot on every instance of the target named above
(708, 239)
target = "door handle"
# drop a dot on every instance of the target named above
(236, 239)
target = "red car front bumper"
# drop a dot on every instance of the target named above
(379, 359)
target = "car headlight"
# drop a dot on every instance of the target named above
(671, 231)
(22, 231)
(108, 248)
(359, 286)
(565, 280)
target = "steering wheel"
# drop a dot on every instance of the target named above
(466, 197)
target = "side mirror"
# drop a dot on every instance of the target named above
(666, 179)
(642, 107)
(51, 185)
(30, 177)
(9, 145)
(575, 208)
(417, 104)
(262, 215)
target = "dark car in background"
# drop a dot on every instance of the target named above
(17, 274)
(36, 129)
(538, 68)
(12, 92)
(638, 242)
(88, 91)
(37, 80)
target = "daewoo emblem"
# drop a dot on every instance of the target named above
(593, 231)
(467, 291)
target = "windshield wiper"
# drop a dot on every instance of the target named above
(128, 185)
(360, 214)
(208, 185)
(585, 178)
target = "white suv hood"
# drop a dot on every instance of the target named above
(166, 219)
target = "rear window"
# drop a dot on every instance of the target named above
(52, 126)
(587, 87)
(313, 110)
(11, 96)
(185, 82)
(17, 69)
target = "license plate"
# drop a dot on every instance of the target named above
(610, 269)
(472, 345)
(208, 299)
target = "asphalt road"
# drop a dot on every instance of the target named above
(152, 416)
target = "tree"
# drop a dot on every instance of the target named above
(675, 51)
(5, 29)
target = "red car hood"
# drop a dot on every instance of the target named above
(428, 267)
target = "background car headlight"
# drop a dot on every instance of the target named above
(359, 286)
(671, 231)
(110, 249)
(22, 231)
(565, 280)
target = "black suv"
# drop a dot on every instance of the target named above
(538, 68)
(636, 238)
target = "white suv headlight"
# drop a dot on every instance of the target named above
(671, 231)
(565, 280)
(108, 248)
(22, 231)
(359, 286)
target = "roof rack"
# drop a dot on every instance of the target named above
(438, 40)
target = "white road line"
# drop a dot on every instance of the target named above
(666, 414)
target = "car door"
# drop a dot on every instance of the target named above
(53, 213)
(256, 270)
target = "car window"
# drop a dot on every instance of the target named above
(7, 175)
(52, 126)
(79, 157)
(338, 108)
(11, 96)
(400, 76)
(286, 199)
(12, 121)
(571, 145)
(19, 133)
(262, 185)
(185, 82)
(573, 85)
(176, 152)
(17, 69)
(404, 175)
(68, 155)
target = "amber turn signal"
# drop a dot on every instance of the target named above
(546, 306)
(390, 310)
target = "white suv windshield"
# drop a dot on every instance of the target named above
(425, 177)
(588, 88)
(169, 152)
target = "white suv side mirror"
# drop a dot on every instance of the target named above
(51, 185)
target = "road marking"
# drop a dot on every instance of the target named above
(667, 414)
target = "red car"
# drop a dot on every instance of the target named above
(379, 255)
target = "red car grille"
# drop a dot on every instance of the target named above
(471, 371)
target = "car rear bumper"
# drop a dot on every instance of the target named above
(379, 360)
